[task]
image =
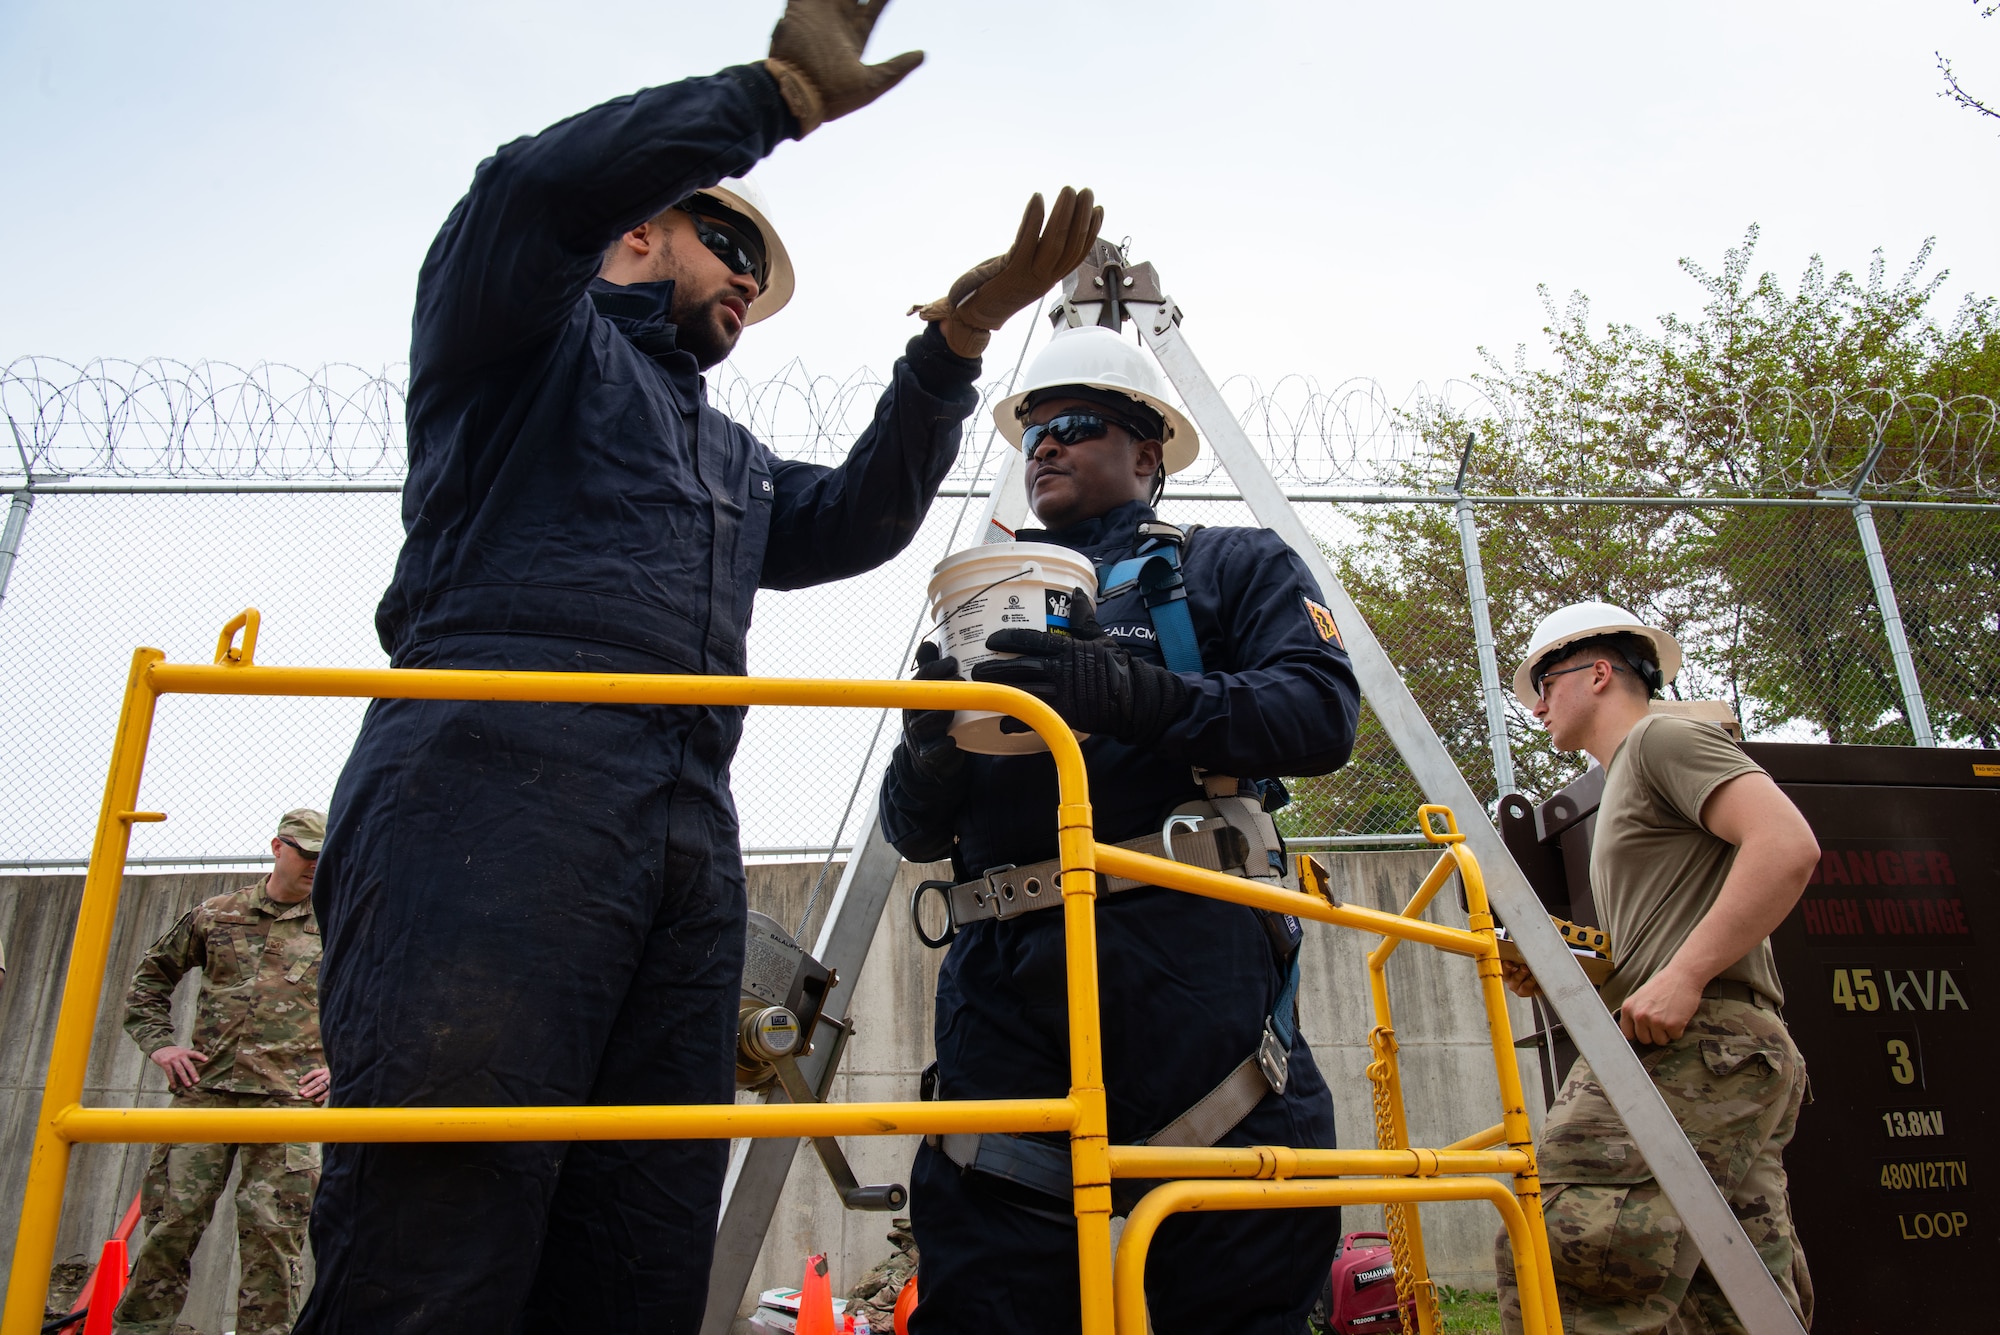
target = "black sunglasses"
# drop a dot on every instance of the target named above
(1074, 429)
(293, 844)
(731, 247)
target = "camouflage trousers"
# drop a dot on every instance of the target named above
(273, 1202)
(1623, 1265)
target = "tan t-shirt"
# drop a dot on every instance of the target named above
(1654, 869)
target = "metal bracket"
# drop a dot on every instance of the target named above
(1274, 1060)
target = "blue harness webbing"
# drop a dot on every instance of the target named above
(1281, 1014)
(1156, 570)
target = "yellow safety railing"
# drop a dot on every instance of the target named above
(1398, 1177)
(1396, 1174)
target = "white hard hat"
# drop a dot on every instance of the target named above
(1581, 621)
(734, 192)
(1095, 356)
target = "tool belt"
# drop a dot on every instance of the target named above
(1229, 833)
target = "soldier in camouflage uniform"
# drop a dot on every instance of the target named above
(1695, 858)
(256, 1045)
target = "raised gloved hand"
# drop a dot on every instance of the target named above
(816, 59)
(987, 295)
(1096, 686)
(928, 757)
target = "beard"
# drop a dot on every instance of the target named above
(700, 328)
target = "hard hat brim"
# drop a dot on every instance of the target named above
(1666, 646)
(779, 285)
(1180, 449)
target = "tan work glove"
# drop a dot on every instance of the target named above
(816, 59)
(987, 295)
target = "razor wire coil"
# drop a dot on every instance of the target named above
(203, 420)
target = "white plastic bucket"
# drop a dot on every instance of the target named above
(1001, 586)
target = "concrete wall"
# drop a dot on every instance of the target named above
(1447, 1068)
(37, 921)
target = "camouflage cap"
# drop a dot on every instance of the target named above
(304, 827)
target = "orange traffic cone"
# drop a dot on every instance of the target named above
(815, 1300)
(106, 1288)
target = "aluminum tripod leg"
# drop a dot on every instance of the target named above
(758, 1168)
(1709, 1221)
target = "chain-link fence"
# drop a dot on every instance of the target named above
(154, 501)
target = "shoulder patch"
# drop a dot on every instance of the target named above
(1322, 621)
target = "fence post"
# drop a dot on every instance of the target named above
(1482, 635)
(18, 505)
(1892, 625)
(1885, 592)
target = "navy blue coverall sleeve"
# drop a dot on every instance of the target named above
(567, 473)
(510, 262)
(1284, 700)
(830, 523)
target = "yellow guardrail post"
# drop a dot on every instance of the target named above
(1539, 1273)
(1402, 1220)
(48, 1169)
(1520, 1206)
(1090, 1138)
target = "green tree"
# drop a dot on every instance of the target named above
(1765, 392)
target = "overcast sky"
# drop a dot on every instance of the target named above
(1334, 189)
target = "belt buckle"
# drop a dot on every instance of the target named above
(1274, 1059)
(991, 896)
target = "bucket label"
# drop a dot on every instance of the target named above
(1058, 612)
(1016, 609)
(966, 626)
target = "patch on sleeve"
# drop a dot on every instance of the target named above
(1323, 623)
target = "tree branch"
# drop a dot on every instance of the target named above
(1956, 93)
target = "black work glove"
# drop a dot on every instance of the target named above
(1096, 686)
(927, 757)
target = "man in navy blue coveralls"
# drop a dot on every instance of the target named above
(544, 904)
(1186, 983)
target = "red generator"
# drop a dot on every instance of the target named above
(1361, 1292)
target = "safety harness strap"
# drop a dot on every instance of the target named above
(1034, 1164)
(1156, 570)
